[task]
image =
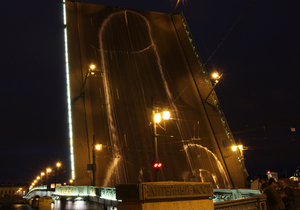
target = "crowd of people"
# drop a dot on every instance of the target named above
(279, 195)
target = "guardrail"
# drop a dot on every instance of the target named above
(255, 202)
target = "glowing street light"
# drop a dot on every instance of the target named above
(91, 71)
(156, 118)
(166, 115)
(48, 170)
(58, 164)
(216, 77)
(42, 174)
(92, 67)
(38, 178)
(241, 158)
(95, 147)
(235, 147)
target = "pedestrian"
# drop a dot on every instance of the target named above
(287, 195)
(273, 197)
(194, 179)
(256, 185)
(263, 184)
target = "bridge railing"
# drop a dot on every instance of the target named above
(239, 199)
(255, 202)
(40, 191)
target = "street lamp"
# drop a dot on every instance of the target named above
(216, 77)
(156, 118)
(42, 174)
(241, 148)
(71, 181)
(92, 70)
(38, 178)
(58, 164)
(175, 7)
(48, 170)
(95, 147)
(241, 158)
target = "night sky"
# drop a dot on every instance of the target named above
(259, 90)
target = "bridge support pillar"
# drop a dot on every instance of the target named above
(165, 195)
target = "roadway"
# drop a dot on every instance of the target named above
(140, 55)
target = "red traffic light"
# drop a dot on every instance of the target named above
(157, 165)
(268, 172)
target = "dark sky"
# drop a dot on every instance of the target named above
(259, 90)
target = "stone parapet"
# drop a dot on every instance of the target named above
(165, 195)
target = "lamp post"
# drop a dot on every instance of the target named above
(95, 147)
(175, 7)
(241, 158)
(38, 178)
(216, 77)
(156, 118)
(58, 164)
(42, 174)
(92, 70)
(48, 170)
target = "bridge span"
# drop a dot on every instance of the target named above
(93, 197)
(71, 197)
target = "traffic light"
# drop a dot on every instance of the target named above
(268, 172)
(157, 165)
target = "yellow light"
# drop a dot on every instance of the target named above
(71, 180)
(166, 115)
(234, 148)
(58, 164)
(157, 117)
(240, 146)
(92, 66)
(98, 146)
(34, 181)
(48, 170)
(92, 73)
(38, 177)
(215, 75)
(42, 173)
